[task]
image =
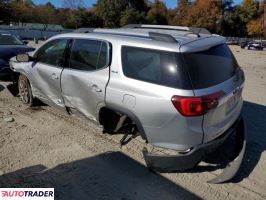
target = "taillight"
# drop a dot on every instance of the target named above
(196, 106)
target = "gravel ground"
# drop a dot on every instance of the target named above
(44, 147)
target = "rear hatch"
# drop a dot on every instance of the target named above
(216, 77)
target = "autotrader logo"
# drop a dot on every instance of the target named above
(27, 193)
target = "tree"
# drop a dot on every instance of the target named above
(158, 13)
(132, 16)
(179, 15)
(65, 16)
(257, 26)
(5, 10)
(45, 14)
(22, 11)
(204, 13)
(110, 11)
(85, 18)
(140, 5)
(248, 10)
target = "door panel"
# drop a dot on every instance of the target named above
(47, 81)
(83, 91)
(47, 70)
(84, 81)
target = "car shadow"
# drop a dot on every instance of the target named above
(254, 116)
(111, 175)
(1, 88)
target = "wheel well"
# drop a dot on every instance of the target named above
(112, 120)
(109, 119)
(15, 76)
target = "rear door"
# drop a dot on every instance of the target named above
(212, 71)
(85, 78)
(46, 71)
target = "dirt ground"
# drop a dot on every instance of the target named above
(44, 147)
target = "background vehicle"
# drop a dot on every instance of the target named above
(253, 45)
(10, 46)
(175, 87)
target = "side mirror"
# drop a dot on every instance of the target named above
(23, 57)
(25, 42)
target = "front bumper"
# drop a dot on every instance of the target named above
(165, 163)
(5, 71)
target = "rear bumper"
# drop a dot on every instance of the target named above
(162, 163)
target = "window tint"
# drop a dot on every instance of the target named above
(9, 40)
(88, 55)
(211, 67)
(52, 53)
(160, 67)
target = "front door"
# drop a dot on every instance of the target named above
(47, 70)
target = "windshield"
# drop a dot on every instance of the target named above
(9, 40)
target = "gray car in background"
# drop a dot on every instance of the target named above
(179, 88)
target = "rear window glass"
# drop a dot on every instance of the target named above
(210, 67)
(88, 55)
(154, 66)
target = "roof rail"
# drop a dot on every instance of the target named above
(165, 27)
(191, 30)
(150, 35)
(162, 37)
(84, 30)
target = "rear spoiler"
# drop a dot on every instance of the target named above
(202, 44)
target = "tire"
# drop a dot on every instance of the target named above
(25, 92)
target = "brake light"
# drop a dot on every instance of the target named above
(196, 106)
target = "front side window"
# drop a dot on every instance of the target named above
(52, 53)
(88, 55)
(154, 66)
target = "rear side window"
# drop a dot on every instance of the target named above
(210, 67)
(88, 55)
(154, 66)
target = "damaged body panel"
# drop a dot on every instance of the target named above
(181, 162)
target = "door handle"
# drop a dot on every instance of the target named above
(96, 88)
(54, 76)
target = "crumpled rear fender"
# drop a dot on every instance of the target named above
(173, 163)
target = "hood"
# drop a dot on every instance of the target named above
(9, 51)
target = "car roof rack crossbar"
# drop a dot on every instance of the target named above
(191, 30)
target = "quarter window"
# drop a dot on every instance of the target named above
(88, 55)
(52, 53)
(154, 66)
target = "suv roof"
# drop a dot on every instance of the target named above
(175, 36)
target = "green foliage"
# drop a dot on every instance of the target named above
(132, 16)
(157, 13)
(219, 16)
(5, 10)
(110, 11)
(83, 18)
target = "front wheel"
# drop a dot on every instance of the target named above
(24, 89)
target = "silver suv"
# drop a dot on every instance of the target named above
(179, 88)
